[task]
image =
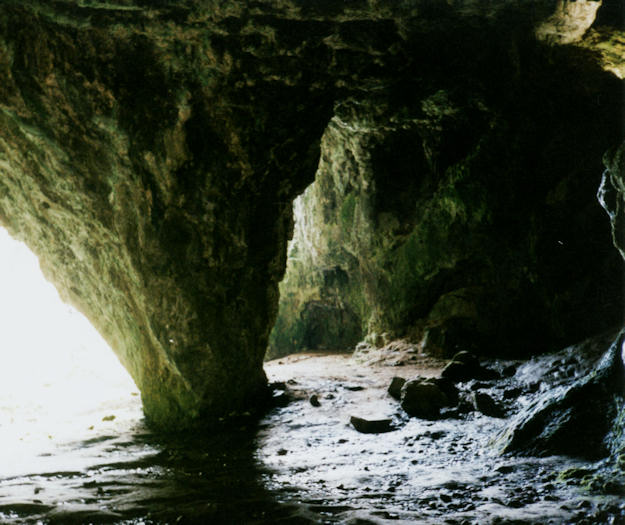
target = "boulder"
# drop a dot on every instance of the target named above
(424, 398)
(577, 421)
(487, 405)
(465, 366)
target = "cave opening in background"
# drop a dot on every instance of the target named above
(59, 380)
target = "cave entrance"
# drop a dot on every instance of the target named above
(59, 381)
(314, 311)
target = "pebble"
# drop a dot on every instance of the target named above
(509, 371)
(511, 393)
(314, 400)
(504, 469)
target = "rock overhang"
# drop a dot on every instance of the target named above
(150, 152)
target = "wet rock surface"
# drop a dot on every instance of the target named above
(422, 397)
(302, 464)
(576, 420)
(150, 153)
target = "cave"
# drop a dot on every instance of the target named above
(352, 193)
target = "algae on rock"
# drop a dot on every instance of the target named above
(150, 153)
(451, 216)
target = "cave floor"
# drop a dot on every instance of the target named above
(303, 463)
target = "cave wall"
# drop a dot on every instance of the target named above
(460, 213)
(142, 160)
(150, 153)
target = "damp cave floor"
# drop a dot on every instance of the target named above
(307, 464)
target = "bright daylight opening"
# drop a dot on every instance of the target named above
(59, 381)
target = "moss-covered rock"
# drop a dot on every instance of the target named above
(454, 214)
(150, 153)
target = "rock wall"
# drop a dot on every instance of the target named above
(461, 213)
(150, 152)
(143, 160)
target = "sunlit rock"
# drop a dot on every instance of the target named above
(570, 21)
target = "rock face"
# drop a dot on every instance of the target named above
(450, 213)
(584, 420)
(143, 159)
(611, 195)
(587, 419)
(150, 153)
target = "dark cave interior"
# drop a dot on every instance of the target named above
(425, 185)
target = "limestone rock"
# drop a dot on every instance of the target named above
(465, 366)
(423, 398)
(423, 210)
(150, 153)
(487, 405)
(582, 420)
(394, 389)
(611, 195)
(570, 21)
(371, 426)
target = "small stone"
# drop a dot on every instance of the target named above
(371, 426)
(314, 400)
(394, 389)
(435, 435)
(487, 374)
(108, 418)
(280, 398)
(504, 469)
(445, 498)
(511, 393)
